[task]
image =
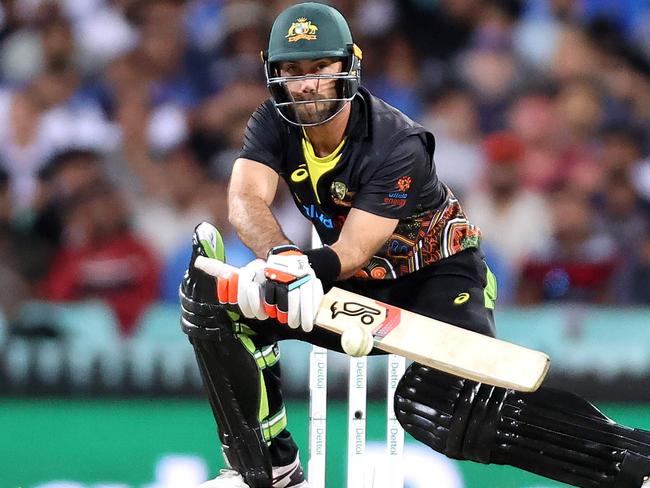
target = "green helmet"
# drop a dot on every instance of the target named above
(309, 31)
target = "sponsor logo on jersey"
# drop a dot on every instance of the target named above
(398, 202)
(397, 194)
(404, 183)
(300, 174)
(461, 298)
(302, 29)
(312, 213)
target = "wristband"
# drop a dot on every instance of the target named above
(326, 265)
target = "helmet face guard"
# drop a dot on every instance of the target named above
(328, 99)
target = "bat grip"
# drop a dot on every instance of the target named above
(214, 267)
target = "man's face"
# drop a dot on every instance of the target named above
(312, 89)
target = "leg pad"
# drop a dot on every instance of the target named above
(549, 432)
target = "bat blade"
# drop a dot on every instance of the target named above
(434, 343)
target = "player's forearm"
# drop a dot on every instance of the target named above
(352, 258)
(255, 224)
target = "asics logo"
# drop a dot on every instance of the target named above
(300, 174)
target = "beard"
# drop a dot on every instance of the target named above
(318, 111)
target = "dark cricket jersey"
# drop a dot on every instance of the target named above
(383, 166)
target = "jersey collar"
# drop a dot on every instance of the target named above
(359, 124)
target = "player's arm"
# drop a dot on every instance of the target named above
(361, 236)
(251, 192)
(375, 213)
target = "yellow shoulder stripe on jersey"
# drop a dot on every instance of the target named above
(318, 166)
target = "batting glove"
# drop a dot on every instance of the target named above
(292, 292)
(244, 290)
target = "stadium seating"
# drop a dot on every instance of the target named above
(3, 330)
(77, 346)
(611, 342)
(77, 340)
(160, 353)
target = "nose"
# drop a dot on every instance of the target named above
(307, 86)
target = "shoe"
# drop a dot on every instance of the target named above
(290, 476)
(228, 478)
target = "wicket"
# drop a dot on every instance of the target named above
(357, 472)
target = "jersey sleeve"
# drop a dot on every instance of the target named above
(393, 189)
(263, 138)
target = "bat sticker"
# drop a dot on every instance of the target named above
(354, 309)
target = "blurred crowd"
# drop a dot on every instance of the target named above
(120, 121)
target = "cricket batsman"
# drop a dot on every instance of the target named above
(363, 173)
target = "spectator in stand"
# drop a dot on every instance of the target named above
(103, 32)
(23, 143)
(217, 125)
(451, 115)
(237, 254)
(532, 116)
(639, 291)
(453, 23)
(21, 257)
(621, 148)
(624, 73)
(619, 213)
(101, 258)
(162, 51)
(493, 72)
(164, 220)
(575, 55)
(620, 217)
(399, 81)
(66, 173)
(580, 117)
(577, 262)
(245, 24)
(514, 220)
(641, 180)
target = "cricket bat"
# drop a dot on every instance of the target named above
(428, 341)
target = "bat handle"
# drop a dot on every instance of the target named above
(214, 267)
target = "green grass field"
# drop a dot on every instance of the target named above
(100, 441)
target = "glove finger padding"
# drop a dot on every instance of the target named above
(227, 285)
(248, 289)
(295, 307)
(243, 286)
(269, 299)
(307, 304)
(282, 303)
(256, 301)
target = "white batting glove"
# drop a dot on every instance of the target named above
(292, 292)
(244, 289)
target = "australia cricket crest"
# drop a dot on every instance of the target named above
(302, 29)
(340, 194)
